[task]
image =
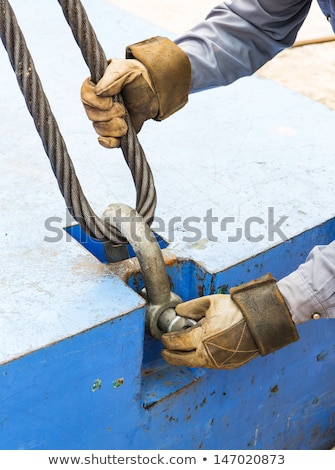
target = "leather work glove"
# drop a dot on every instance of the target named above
(232, 329)
(154, 81)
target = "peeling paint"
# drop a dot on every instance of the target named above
(256, 437)
(118, 382)
(223, 289)
(200, 245)
(321, 356)
(96, 385)
(274, 389)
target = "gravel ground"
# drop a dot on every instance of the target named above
(309, 69)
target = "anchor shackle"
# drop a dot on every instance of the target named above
(161, 302)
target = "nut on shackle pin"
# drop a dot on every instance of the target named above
(161, 302)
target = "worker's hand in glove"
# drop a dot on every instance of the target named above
(221, 338)
(231, 329)
(126, 76)
(154, 81)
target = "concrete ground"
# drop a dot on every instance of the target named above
(308, 70)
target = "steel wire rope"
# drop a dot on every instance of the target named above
(97, 63)
(53, 142)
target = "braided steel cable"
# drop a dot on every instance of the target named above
(96, 61)
(53, 142)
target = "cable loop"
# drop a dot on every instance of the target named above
(47, 127)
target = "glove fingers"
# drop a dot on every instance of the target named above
(89, 97)
(185, 340)
(118, 74)
(109, 142)
(96, 114)
(188, 359)
(194, 309)
(117, 127)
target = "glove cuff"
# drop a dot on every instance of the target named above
(169, 69)
(265, 313)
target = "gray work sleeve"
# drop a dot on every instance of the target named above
(238, 37)
(235, 40)
(311, 288)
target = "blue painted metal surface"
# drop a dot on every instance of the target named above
(283, 401)
(77, 370)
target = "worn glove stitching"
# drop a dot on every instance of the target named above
(207, 343)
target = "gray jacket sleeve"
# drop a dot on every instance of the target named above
(311, 288)
(238, 37)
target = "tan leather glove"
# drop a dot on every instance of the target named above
(154, 82)
(231, 329)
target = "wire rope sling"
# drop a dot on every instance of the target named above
(161, 316)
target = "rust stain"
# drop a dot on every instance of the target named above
(169, 258)
(224, 289)
(201, 290)
(182, 390)
(320, 357)
(86, 265)
(130, 267)
(274, 389)
(316, 432)
(125, 269)
(204, 401)
(118, 382)
(171, 419)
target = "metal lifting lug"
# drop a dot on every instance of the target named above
(161, 302)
